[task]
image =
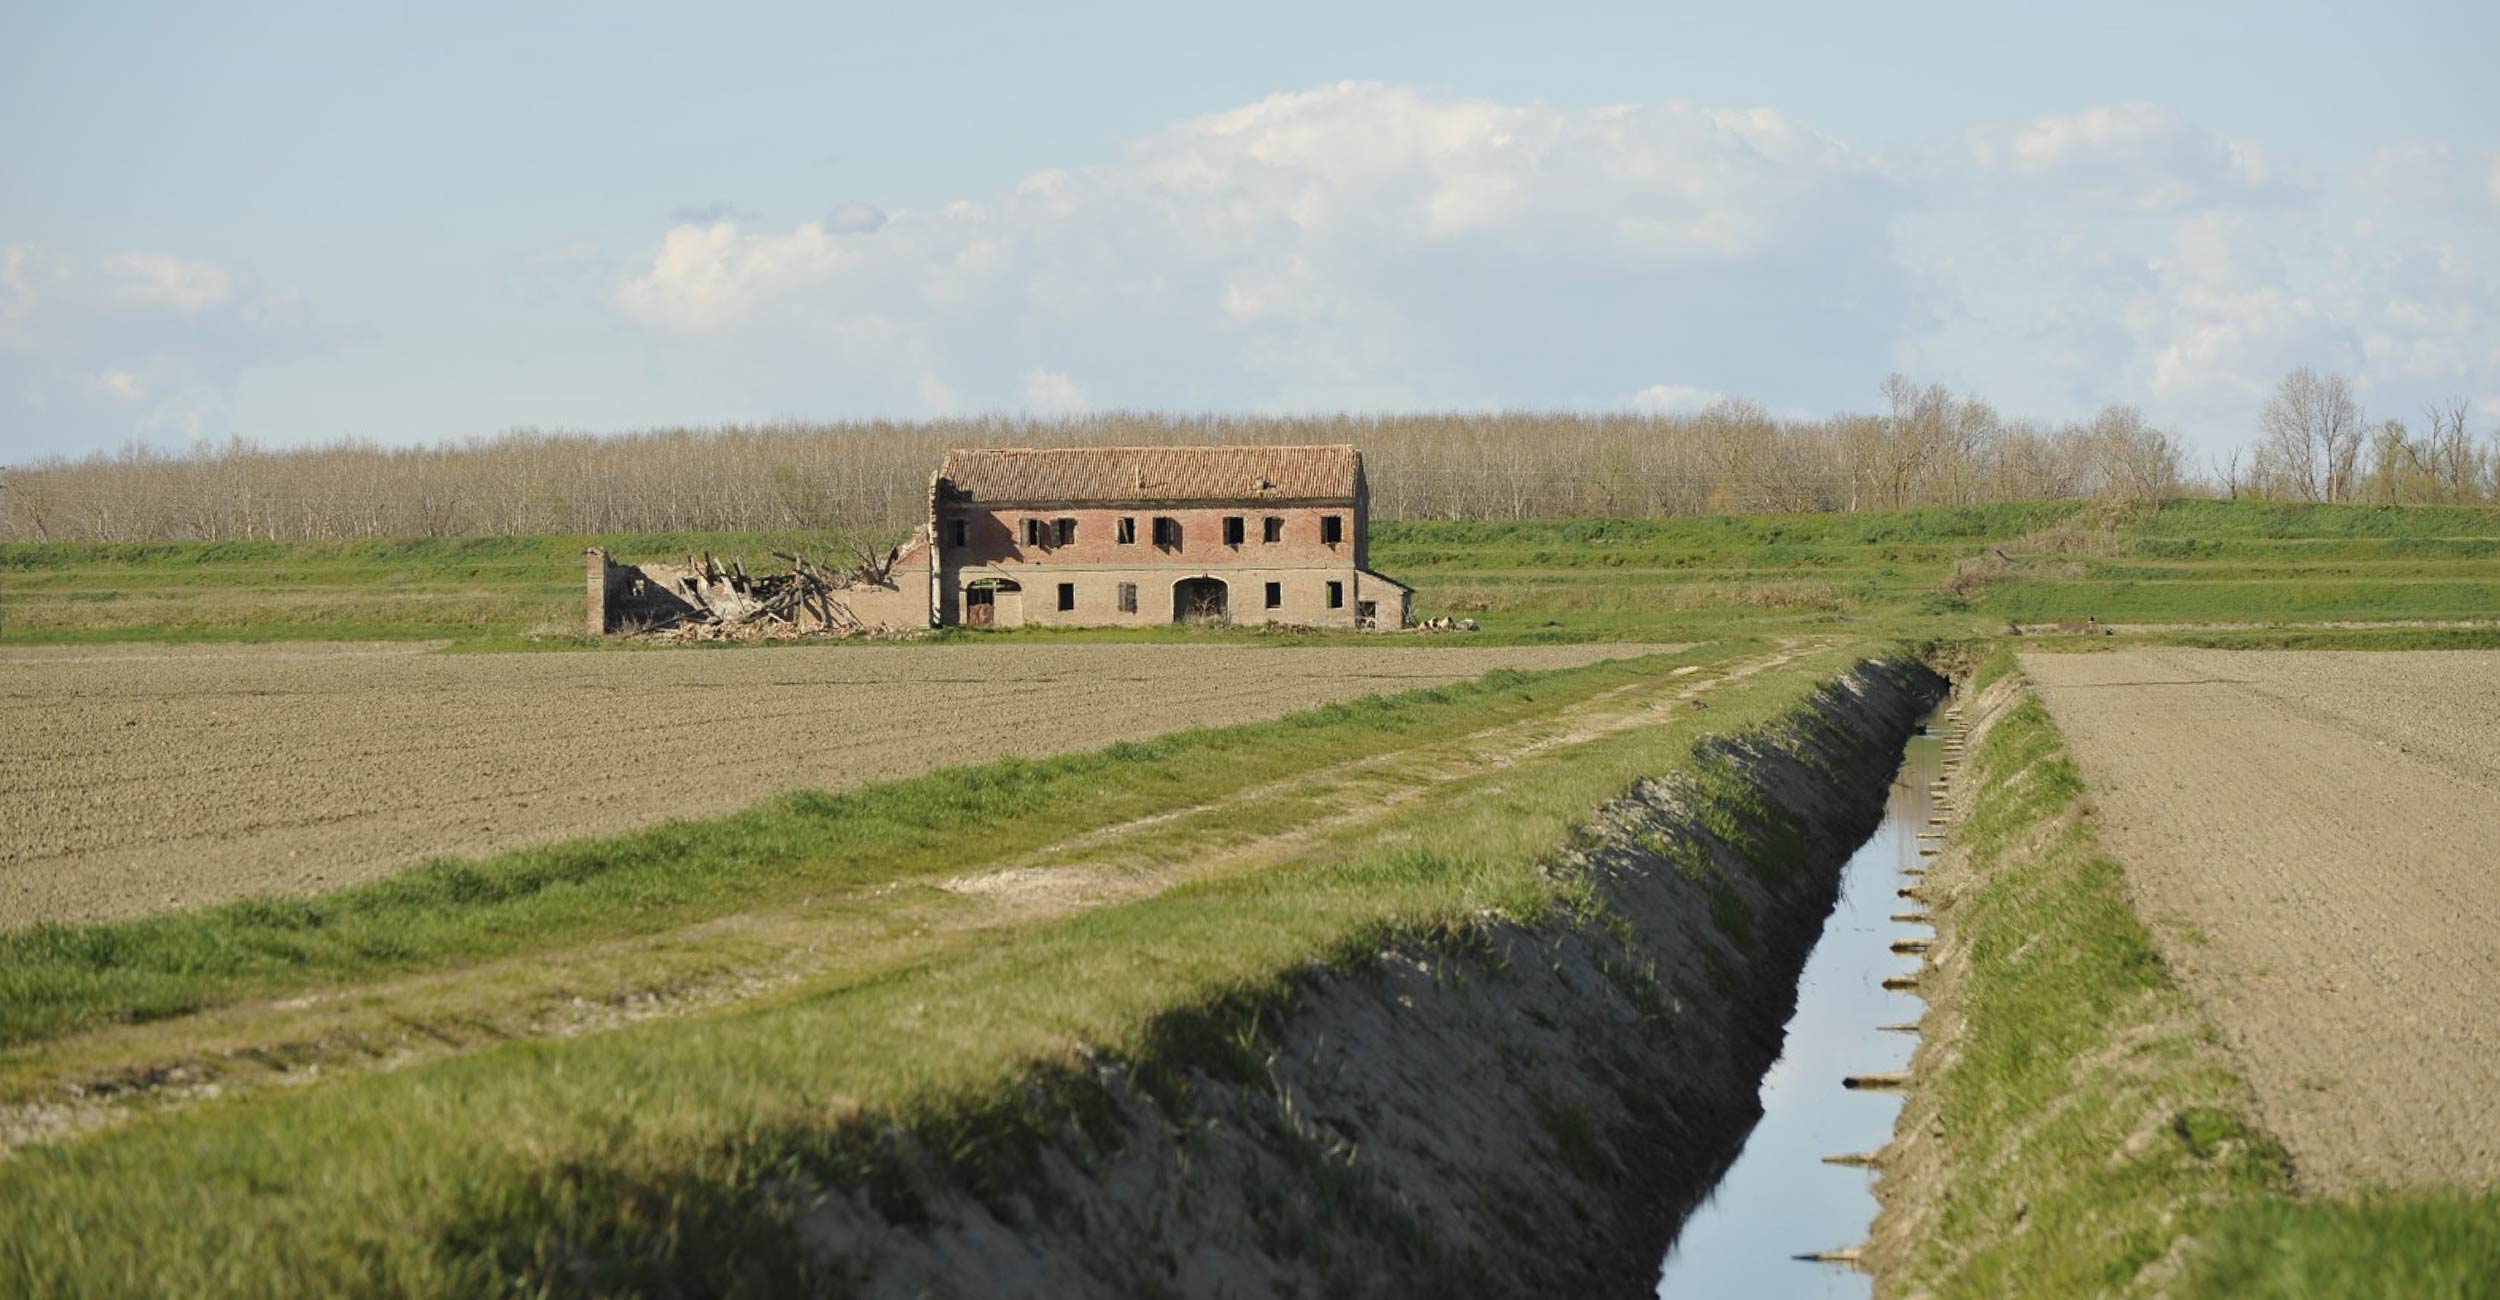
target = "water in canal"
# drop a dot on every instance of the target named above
(1779, 1200)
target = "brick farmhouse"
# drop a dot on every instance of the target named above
(1091, 537)
(1127, 536)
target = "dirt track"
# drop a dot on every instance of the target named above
(138, 780)
(2316, 838)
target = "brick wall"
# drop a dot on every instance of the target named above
(597, 562)
(1097, 563)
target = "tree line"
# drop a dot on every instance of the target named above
(1928, 446)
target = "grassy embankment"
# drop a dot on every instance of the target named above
(2187, 561)
(2098, 1139)
(643, 1158)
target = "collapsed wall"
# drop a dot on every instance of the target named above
(807, 597)
(1502, 1109)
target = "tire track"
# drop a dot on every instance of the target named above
(141, 782)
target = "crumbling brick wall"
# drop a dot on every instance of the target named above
(624, 597)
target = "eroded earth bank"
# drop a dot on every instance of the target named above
(1503, 1109)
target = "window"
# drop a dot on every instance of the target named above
(1271, 529)
(1032, 532)
(1275, 594)
(1336, 595)
(1167, 532)
(1332, 529)
(962, 533)
(1127, 530)
(1067, 595)
(1232, 530)
(1067, 532)
(1128, 596)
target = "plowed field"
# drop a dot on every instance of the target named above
(140, 780)
(2316, 837)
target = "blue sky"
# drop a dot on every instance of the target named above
(301, 222)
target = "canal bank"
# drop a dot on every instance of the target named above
(2073, 1124)
(1498, 1109)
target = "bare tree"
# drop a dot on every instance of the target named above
(2312, 434)
(2449, 455)
(2131, 459)
(2227, 472)
(1929, 446)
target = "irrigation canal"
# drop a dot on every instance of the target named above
(1781, 1199)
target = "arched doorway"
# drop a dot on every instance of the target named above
(1200, 600)
(993, 602)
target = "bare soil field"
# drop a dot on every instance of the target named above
(2315, 838)
(140, 780)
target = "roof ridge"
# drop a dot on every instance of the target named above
(1159, 472)
(1159, 446)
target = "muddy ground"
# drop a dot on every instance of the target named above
(141, 780)
(2314, 838)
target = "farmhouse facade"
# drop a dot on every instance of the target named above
(1131, 536)
(1070, 537)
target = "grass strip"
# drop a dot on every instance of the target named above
(2437, 1245)
(1528, 581)
(2099, 1139)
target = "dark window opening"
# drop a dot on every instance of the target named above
(1336, 595)
(1332, 529)
(1167, 532)
(1232, 530)
(1032, 532)
(1127, 530)
(1275, 594)
(1067, 595)
(1272, 529)
(1128, 597)
(1067, 532)
(962, 533)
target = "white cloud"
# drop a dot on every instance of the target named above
(1673, 399)
(855, 218)
(2219, 325)
(706, 276)
(2226, 316)
(1350, 245)
(155, 280)
(93, 352)
(2412, 175)
(2131, 156)
(28, 274)
(1047, 392)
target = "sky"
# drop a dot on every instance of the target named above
(295, 223)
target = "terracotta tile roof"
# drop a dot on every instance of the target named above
(1077, 475)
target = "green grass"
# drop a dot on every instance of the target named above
(2090, 1120)
(2420, 1245)
(1526, 581)
(2094, 1126)
(670, 1156)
